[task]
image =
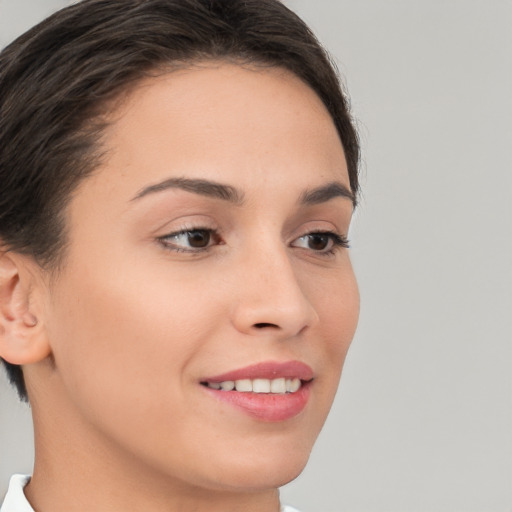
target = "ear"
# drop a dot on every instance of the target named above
(23, 339)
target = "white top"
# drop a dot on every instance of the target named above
(15, 500)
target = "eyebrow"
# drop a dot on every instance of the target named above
(324, 193)
(228, 193)
(196, 186)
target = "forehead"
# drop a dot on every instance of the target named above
(225, 123)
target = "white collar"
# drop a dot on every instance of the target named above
(15, 500)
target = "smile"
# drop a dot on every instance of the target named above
(268, 391)
(276, 386)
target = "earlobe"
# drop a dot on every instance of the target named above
(22, 336)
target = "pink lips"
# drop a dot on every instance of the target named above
(266, 406)
(267, 370)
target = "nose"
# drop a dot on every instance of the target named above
(269, 298)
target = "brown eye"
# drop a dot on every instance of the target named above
(190, 240)
(321, 242)
(318, 241)
(199, 238)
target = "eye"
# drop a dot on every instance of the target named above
(190, 240)
(324, 242)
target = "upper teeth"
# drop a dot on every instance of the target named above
(281, 385)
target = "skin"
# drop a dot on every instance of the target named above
(129, 327)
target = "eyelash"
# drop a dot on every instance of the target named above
(338, 241)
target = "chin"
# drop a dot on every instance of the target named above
(258, 480)
(257, 473)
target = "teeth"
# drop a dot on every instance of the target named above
(292, 385)
(227, 385)
(244, 385)
(277, 386)
(260, 386)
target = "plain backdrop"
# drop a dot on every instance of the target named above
(423, 419)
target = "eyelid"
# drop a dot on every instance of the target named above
(338, 237)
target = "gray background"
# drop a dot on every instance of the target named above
(423, 421)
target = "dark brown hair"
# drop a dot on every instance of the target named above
(56, 81)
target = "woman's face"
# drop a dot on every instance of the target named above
(208, 249)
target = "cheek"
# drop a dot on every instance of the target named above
(113, 329)
(123, 348)
(338, 317)
(336, 300)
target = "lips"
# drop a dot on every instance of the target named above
(267, 391)
(267, 370)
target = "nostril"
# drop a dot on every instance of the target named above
(264, 324)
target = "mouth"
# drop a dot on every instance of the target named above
(278, 386)
(266, 391)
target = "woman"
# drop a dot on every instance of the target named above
(177, 298)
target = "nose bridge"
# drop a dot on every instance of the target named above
(271, 296)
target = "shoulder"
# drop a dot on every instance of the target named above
(15, 500)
